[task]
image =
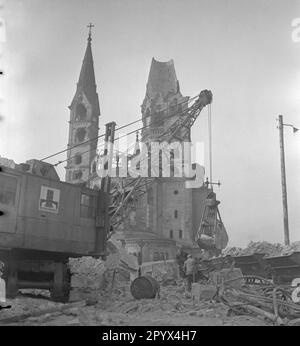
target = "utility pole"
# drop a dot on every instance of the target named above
(210, 145)
(283, 184)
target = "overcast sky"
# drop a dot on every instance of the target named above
(242, 50)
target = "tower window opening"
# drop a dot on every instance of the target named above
(80, 135)
(175, 214)
(171, 234)
(172, 165)
(78, 159)
(157, 120)
(80, 112)
(180, 234)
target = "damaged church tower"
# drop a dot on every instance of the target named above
(84, 122)
(169, 214)
(163, 102)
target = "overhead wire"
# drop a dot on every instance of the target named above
(118, 129)
(140, 140)
(87, 151)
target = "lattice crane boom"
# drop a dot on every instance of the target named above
(127, 190)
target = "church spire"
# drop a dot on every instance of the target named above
(87, 74)
(84, 121)
(87, 83)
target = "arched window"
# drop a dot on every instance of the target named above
(80, 112)
(172, 165)
(78, 159)
(180, 234)
(175, 214)
(132, 218)
(80, 135)
(156, 120)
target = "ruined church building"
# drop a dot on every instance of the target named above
(168, 215)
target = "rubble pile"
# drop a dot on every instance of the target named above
(27, 305)
(228, 304)
(142, 306)
(294, 247)
(87, 278)
(263, 247)
(232, 251)
(91, 277)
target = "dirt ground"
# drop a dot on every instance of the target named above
(173, 308)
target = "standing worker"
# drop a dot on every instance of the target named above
(181, 258)
(2, 285)
(2, 290)
(189, 270)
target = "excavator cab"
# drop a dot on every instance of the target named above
(212, 235)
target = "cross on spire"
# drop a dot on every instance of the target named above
(90, 26)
